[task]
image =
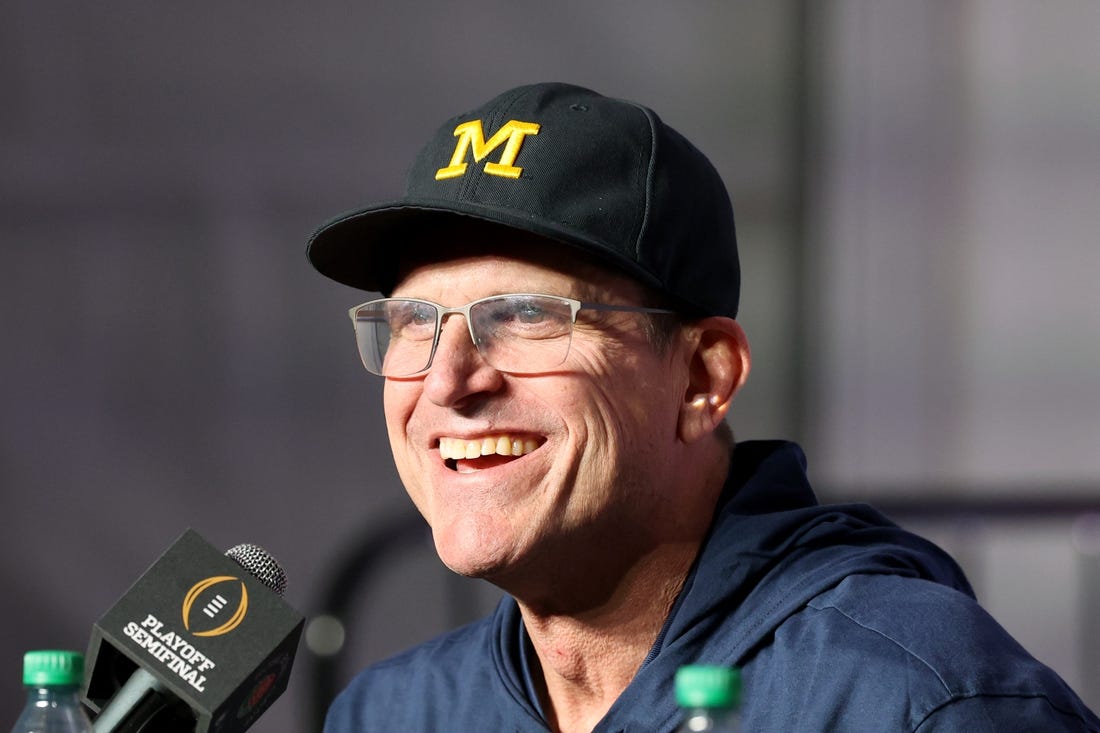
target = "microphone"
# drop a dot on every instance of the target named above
(195, 645)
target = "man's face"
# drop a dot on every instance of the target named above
(595, 435)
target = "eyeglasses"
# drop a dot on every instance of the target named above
(520, 333)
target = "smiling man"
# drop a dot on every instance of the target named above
(560, 351)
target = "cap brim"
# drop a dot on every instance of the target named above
(361, 248)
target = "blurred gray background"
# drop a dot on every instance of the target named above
(917, 186)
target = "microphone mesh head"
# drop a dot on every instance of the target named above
(261, 564)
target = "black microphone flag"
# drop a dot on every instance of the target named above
(198, 644)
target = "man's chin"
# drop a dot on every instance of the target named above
(471, 559)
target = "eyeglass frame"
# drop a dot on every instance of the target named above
(441, 312)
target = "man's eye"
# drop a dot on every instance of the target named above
(422, 315)
(529, 312)
(412, 320)
(526, 318)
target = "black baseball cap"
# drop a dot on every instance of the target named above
(603, 175)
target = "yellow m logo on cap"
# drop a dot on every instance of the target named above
(471, 136)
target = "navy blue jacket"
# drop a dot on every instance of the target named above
(839, 619)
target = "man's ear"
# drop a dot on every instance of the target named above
(719, 365)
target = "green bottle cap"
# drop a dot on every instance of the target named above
(52, 667)
(708, 686)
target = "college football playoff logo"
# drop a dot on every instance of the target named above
(215, 606)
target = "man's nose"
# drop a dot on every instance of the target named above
(458, 370)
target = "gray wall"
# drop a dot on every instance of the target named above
(915, 187)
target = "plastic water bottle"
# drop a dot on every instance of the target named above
(709, 697)
(52, 680)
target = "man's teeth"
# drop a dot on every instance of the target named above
(501, 445)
